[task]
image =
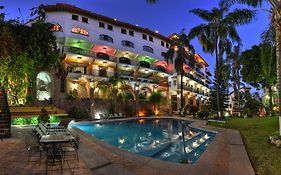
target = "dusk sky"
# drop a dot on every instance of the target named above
(167, 16)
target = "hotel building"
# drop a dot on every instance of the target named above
(96, 47)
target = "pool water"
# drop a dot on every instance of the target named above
(163, 139)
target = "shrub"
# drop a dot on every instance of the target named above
(204, 112)
(44, 116)
(190, 109)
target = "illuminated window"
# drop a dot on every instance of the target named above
(80, 31)
(56, 28)
(148, 49)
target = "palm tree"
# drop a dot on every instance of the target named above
(234, 59)
(219, 30)
(181, 52)
(276, 22)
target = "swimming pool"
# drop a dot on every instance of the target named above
(163, 139)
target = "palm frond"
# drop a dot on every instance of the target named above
(228, 3)
(268, 36)
(204, 14)
(239, 17)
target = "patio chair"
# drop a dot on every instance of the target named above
(54, 157)
(72, 148)
(32, 148)
(121, 115)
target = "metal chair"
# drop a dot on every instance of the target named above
(72, 148)
(54, 156)
(32, 148)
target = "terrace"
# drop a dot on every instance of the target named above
(226, 155)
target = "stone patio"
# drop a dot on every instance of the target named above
(226, 155)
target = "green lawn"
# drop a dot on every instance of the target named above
(265, 158)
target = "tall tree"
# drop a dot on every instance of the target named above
(234, 59)
(217, 33)
(263, 72)
(181, 52)
(275, 12)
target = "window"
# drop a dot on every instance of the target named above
(131, 33)
(106, 38)
(84, 19)
(167, 45)
(75, 17)
(56, 28)
(144, 64)
(80, 31)
(102, 56)
(110, 27)
(163, 43)
(148, 49)
(144, 36)
(150, 38)
(161, 68)
(163, 54)
(124, 31)
(128, 43)
(101, 24)
(124, 60)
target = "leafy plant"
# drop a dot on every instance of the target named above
(44, 116)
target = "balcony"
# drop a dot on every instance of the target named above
(79, 51)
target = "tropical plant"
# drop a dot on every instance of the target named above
(44, 116)
(261, 74)
(155, 99)
(181, 52)
(217, 35)
(275, 12)
(25, 51)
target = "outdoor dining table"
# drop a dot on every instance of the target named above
(55, 140)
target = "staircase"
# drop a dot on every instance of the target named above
(5, 115)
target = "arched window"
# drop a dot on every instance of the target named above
(80, 31)
(102, 56)
(161, 68)
(106, 38)
(124, 60)
(144, 64)
(148, 49)
(56, 28)
(43, 84)
(128, 43)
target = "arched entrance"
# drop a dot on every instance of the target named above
(43, 86)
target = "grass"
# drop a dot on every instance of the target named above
(255, 132)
